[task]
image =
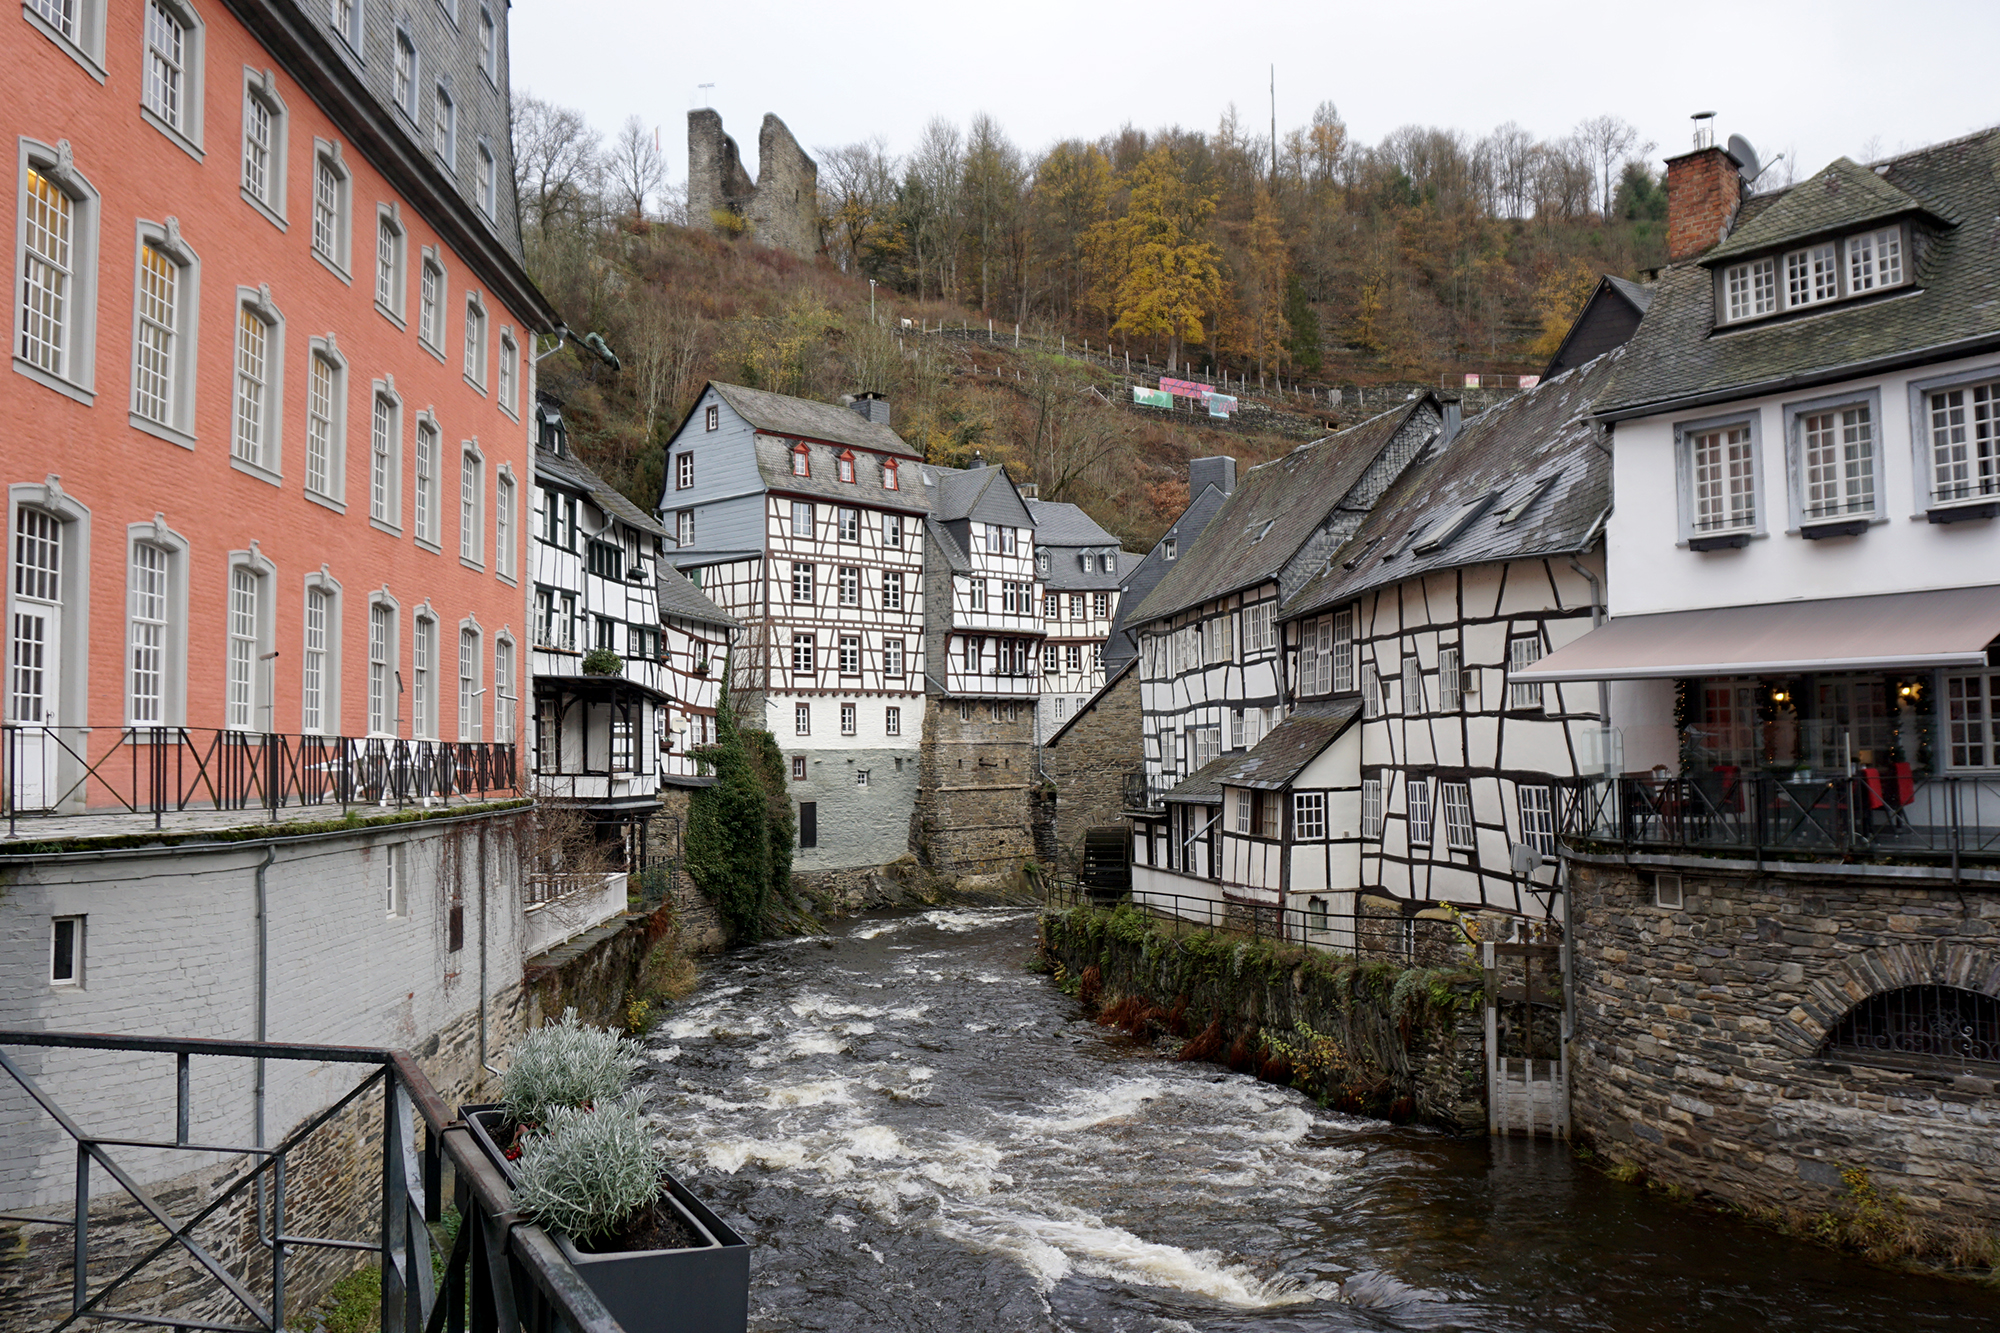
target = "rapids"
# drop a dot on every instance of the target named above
(916, 1133)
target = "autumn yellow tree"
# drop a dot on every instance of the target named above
(1172, 278)
(1261, 327)
(1559, 299)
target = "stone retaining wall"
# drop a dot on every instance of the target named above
(1699, 1053)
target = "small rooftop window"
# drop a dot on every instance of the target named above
(1257, 531)
(1445, 533)
(1528, 499)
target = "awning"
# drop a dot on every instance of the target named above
(1946, 627)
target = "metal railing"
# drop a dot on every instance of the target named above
(1144, 791)
(1866, 815)
(1397, 938)
(502, 1274)
(156, 770)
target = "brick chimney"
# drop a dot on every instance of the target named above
(1703, 189)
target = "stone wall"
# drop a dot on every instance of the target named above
(972, 808)
(1086, 765)
(781, 209)
(1700, 1032)
(1386, 1039)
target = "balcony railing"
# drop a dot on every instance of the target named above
(1866, 815)
(1147, 791)
(501, 1274)
(47, 770)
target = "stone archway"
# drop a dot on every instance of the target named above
(1970, 967)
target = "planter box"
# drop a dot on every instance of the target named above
(701, 1289)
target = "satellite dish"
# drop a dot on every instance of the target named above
(1746, 156)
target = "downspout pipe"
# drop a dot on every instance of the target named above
(263, 1011)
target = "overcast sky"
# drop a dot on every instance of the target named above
(1811, 80)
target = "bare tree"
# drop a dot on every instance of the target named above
(857, 188)
(663, 344)
(635, 168)
(555, 161)
(1608, 141)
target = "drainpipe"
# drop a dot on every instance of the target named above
(263, 1010)
(484, 1062)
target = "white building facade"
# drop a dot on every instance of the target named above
(1080, 567)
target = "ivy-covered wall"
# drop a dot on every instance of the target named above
(1368, 1037)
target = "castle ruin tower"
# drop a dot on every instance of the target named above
(781, 209)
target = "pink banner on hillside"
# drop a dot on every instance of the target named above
(1185, 388)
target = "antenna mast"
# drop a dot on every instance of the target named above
(1274, 129)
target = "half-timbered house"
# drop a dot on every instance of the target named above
(1079, 566)
(1485, 555)
(695, 641)
(804, 521)
(983, 631)
(599, 669)
(1212, 678)
(1210, 482)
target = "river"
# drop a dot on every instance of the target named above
(917, 1133)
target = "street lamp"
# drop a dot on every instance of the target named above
(871, 300)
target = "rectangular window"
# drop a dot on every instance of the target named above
(1269, 808)
(66, 951)
(483, 180)
(1523, 653)
(1309, 816)
(426, 482)
(166, 46)
(802, 654)
(252, 348)
(1538, 818)
(395, 875)
(1812, 275)
(850, 655)
(1724, 476)
(1076, 606)
(892, 591)
(1371, 694)
(802, 519)
(1457, 799)
(975, 652)
(1413, 687)
(622, 732)
(468, 686)
(503, 526)
(503, 687)
(1972, 719)
(1073, 657)
(802, 583)
(892, 721)
(406, 75)
(159, 294)
(850, 586)
(801, 462)
(1667, 892)
(802, 719)
(683, 471)
(257, 127)
(892, 531)
(319, 425)
(847, 719)
(1837, 453)
(1245, 801)
(488, 46)
(808, 823)
(443, 126)
(1100, 608)
(976, 594)
(149, 635)
(892, 657)
(684, 528)
(381, 461)
(430, 296)
(1874, 259)
(1449, 694)
(312, 698)
(326, 209)
(1343, 650)
(380, 630)
(1418, 790)
(46, 274)
(242, 663)
(798, 768)
(471, 488)
(475, 342)
(1965, 442)
(387, 245)
(509, 355)
(1371, 807)
(1751, 289)
(850, 525)
(422, 724)
(1051, 606)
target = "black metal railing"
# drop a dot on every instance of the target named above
(160, 770)
(1866, 815)
(1145, 791)
(502, 1274)
(1360, 935)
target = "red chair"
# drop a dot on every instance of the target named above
(1872, 780)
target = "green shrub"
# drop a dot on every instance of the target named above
(567, 1064)
(740, 831)
(589, 1170)
(603, 662)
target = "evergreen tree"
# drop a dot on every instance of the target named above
(738, 844)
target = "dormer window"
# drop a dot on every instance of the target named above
(844, 466)
(1813, 275)
(1875, 260)
(1752, 289)
(801, 464)
(889, 474)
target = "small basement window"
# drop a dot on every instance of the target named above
(1667, 892)
(66, 951)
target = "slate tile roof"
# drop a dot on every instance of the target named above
(679, 597)
(1541, 444)
(1058, 523)
(782, 414)
(774, 466)
(1679, 359)
(1275, 762)
(566, 470)
(1841, 196)
(1291, 495)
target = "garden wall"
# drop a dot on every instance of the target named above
(1372, 1038)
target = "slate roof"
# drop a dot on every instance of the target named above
(679, 597)
(1275, 762)
(957, 491)
(566, 470)
(939, 539)
(1200, 787)
(1638, 293)
(1058, 523)
(1292, 495)
(1143, 574)
(782, 414)
(1542, 442)
(1841, 196)
(774, 466)
(1679, 359)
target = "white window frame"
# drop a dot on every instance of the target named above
(892, 590)
(75, 373)
(684, 527)
(264, 456)
(332, 489)
(443, 125)
(506, 520)
(1451, 697)
(507, 374)
(1371, 808)
(406, 73)
(1535, 805)
(471, 686)
(425, 469)
(802, 719)
(892, 657)
(172, 620)
(1749, 290)
(385, 466)
(350, 24)
(489, 45)
(79, 34)
(684, 470)
(1371, 691)
(1815, 270)
(430, 313)
(1417, 792)
(805, 654)
(485, 175)
(247, 682)
(1981, 494)
(181, 124)
(505, 657)
(847, 580)
(848, 528)
(79, 934)
(892, 531)
(423, 674)
(384, 666)
(1687, 435)
(332, 235)
(1456, 797)
(1308, 816)
(1413, 685)
(1960, 728)
(1523, 651)
(475, 341)
(803, 579)
(802, 519)
(1871, 252)
(321, 584)
(260, 88)
(1798, 462)
(471, 505)
(892, 721)
(848, 719)
(393, 277)
(174, 339)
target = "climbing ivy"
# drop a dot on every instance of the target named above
(740, 831)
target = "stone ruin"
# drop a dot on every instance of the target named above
(781, 209)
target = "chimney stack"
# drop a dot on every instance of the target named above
(1704, 188)
(871, 406)
(1453, 414)
(1219, 472)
